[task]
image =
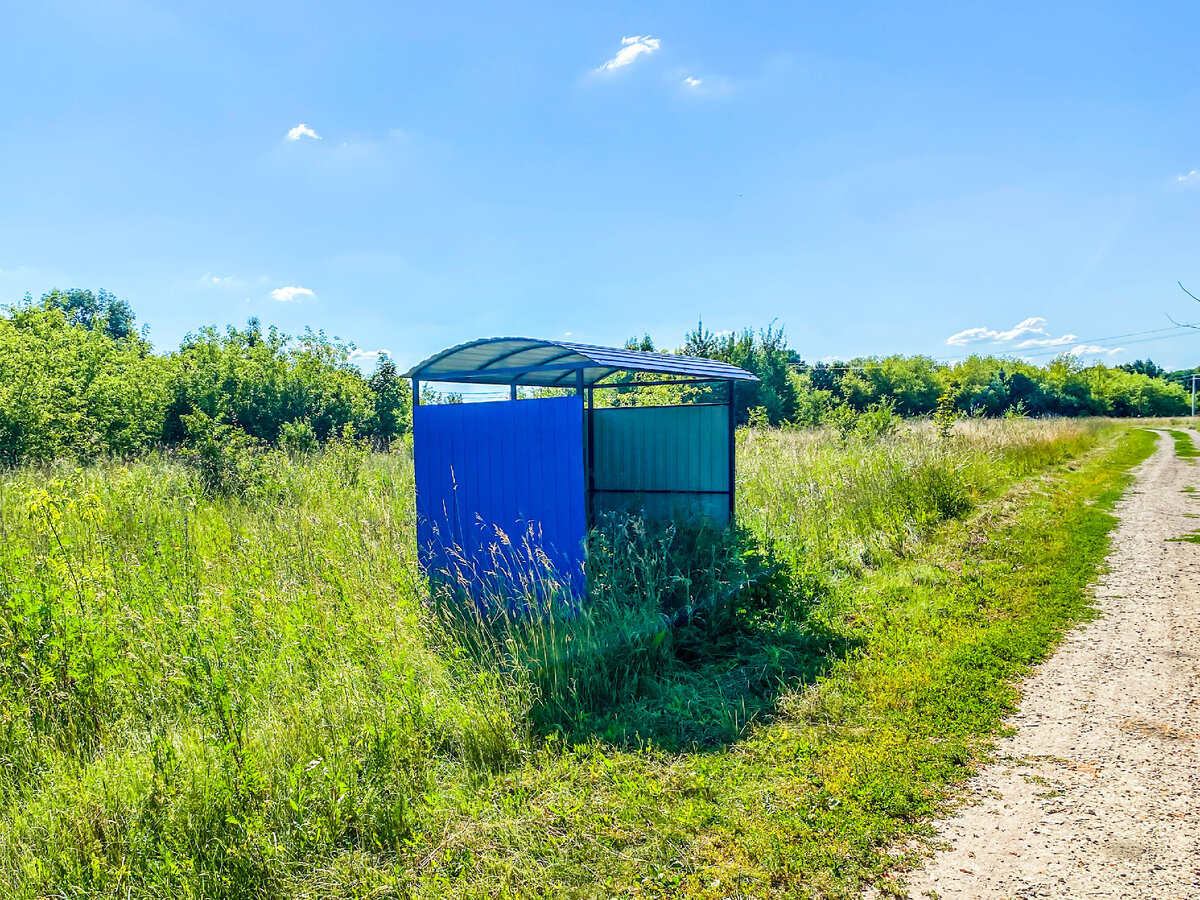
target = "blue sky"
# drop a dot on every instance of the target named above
(875, 177)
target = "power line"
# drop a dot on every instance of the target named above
(1177, 331)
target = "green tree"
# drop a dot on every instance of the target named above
(391, 398)
(68, 388)
(96, 311)
(1143, 367)
(765, 354)
(258, 380)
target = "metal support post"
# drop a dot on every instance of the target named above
(590, 449)
(732, 448)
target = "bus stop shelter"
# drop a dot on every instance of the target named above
(507, 485)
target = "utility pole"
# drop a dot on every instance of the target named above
(1194, 376)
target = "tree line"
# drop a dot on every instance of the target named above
(791, 390)
(78, 379)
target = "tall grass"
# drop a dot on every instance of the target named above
(254, 694)
(831, 505)
(200, 695)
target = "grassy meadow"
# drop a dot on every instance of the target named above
(250, 692)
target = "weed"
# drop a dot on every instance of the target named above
(1192, 537)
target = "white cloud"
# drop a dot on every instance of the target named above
(300, 131)
(287, 294)
(1019, 338)
(367, 358)
(631, 49)
(220, 281)
(1032, 325)
(1048, 342)
(692, 82)
(1029, 334)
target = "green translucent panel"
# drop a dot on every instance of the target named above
(663, 448)
(691, 507)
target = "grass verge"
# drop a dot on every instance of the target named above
(808, 805)
(1184, 448)
(245, 695)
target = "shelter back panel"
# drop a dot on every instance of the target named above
(664, 460)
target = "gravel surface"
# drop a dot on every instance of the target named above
(1097, 794)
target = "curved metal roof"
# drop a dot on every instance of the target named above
(517, 360)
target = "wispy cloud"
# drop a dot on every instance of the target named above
(692, 82)
(631, 49)
(1032, 325)
(1029, 335)
(301, 131)
(1192, 177)
(1047, 342)
(360, 160)
(367, 358)
(220, 281)
(288, 294)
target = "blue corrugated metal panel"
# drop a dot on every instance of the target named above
(515, 360)
(499, 490)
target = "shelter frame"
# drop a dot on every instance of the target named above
(562, 467)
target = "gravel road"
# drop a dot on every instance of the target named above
(1097, 794)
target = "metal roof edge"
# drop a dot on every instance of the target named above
(640, 361)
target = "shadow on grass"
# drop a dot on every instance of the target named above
(709, 693)
(713, 666)
(688, 635)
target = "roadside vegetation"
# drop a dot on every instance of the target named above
(1184, 448)
(241, 687)
(79, 380)
(223, 675)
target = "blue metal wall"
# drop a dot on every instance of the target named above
(499, 485)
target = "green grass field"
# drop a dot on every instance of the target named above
(253, 695)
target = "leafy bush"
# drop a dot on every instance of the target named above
(68, 390)
(76, 380)
(228, 461)
(297, 438)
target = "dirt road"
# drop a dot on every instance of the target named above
(1097, 794)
